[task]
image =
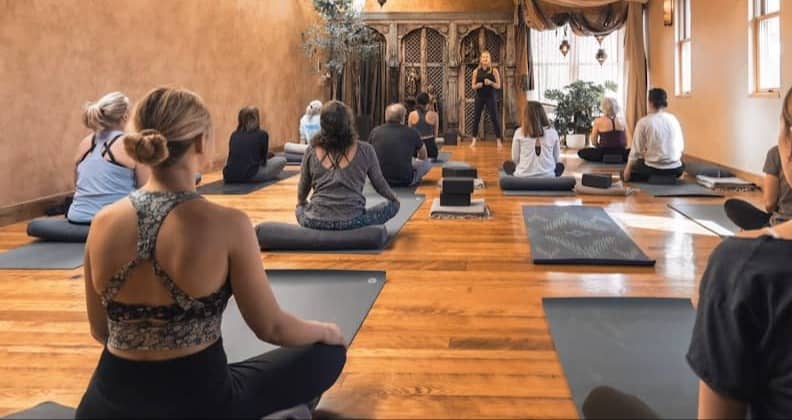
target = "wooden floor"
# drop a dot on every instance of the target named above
(458, 331)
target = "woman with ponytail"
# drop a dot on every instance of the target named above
(160, 267)
(104, 171)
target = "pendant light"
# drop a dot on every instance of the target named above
(564, 47)
(382, 2)
(601, 54)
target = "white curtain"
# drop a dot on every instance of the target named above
(554, 71)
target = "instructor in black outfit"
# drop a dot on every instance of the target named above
(485, 81)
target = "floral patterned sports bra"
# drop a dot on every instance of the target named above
(186, 322)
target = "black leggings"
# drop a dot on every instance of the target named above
(509, 167)
(203, 385)
(745, 215)
(596, 154)
(641, 172)
(491, 105)
(431, 147)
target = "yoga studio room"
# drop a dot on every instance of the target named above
(396, 209)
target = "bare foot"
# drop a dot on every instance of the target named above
(499, 143)
(473, 143)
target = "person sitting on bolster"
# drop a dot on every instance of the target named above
(425, 121)
(104, 172)
(160, 267)
(657, 144)
(776, 192)
(396, 144)
(608, 134)
(309, 123)
(335, 167)
(248, 151)
(536, 148)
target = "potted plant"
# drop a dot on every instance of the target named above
(577, 104)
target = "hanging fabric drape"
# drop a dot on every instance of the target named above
(363, 88)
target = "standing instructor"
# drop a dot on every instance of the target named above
(485, 81)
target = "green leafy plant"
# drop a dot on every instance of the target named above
(340, 36)
(578, 105)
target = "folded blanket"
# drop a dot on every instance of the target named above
(295, 148)
(478, 209)
(617, 189)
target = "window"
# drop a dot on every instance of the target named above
(552, 70)
(683, 48)
(766, 45)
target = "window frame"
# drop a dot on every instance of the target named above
(682, 36)
(758, 15)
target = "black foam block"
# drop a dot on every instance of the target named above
(457, 185)
(597, 180)
(460, 173)
(454, 200)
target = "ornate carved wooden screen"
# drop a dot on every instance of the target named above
(472, 45)
(423, 60)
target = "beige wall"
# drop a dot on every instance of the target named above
(440, 6)
(57, 54)
(722, 123)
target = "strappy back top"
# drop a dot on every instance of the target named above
(614, 138)
(188, 321)
(425, 130)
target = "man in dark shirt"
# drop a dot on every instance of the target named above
(396, 144)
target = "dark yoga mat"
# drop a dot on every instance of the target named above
(579, 235)
(45, 410)
(343, 297)
(44, 256)
(635, 345)
(709, 216)
(221, 188)
(683, 189)
(442, 157)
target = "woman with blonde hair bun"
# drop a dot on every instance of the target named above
(160, 267)
(104, 172)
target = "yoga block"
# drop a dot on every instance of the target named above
(613, 158)
(663, 180)
(597, 180)
(454, 200)
(457, 185)
(450, 137)
(460, 173)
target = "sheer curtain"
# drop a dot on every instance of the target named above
(554, 71)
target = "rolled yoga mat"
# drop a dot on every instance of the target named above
(221, 188)
(635, 345)
(44, 256)
(683, 189)
(342, 297)
(709, 216)
(579, 235)
(541, 186)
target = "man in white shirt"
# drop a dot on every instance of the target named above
(657, 143)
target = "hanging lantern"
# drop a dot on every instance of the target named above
(382, 2)
(599, 38)
(564, 48)
(601, 56)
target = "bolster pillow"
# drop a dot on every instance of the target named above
(275, 236)
(294, 148)
(56, 229)
(529, 183)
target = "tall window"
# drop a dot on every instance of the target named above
(766, 44)
(683, 48)
(552, 70)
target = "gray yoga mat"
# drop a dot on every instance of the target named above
(579, 235)
(683, 189)
(709, 216)
(44, 256)
(45, 410)
(442, 157)
(635, 345)
(221, 188)
(538, 193)
(343, 297)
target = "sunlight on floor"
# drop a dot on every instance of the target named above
(661, 223)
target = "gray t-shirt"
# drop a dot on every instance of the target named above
(338, 192)
(773, 167)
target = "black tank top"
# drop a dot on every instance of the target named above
(613, 139)
(426, 130)
(485, 91)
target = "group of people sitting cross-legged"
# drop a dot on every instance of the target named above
(248, 152)
(160, 267)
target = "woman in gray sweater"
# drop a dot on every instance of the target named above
(335, 167)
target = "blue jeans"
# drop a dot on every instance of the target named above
(376, 215)
(420, 169)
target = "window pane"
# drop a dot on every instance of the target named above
(769, 56)
(687, 18)
(772, 6)
(551, 68)
(685, 68)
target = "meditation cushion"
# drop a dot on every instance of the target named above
(529, 183)
(293, 157)
(56, 229)
(457, 185)
(456, 200)
(597, 180)
(612, 158)
(274, 236)
(714, 171)
(294, 148)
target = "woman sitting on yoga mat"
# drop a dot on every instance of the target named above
(309, 123)
(776, 190)
(335, 167)
(657, 143)
(425, 121)
(536, 148)
(248, 151)
(160, 268)
(104, 172)
(608, 135)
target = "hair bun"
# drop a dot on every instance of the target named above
(148, 147)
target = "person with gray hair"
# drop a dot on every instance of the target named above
(309, 123)
(396, 146)
(608, 134)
